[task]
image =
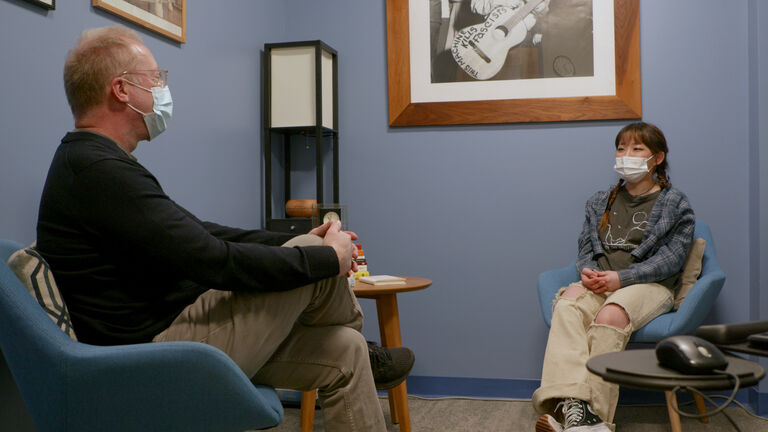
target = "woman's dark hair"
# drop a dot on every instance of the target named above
(654, 139)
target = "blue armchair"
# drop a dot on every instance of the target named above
(684, 320)
(70, 386)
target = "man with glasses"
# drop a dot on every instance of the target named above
(133, 266)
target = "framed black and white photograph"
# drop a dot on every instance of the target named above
(475, 41)
(47, 4)
(508, 61)
(167, 17)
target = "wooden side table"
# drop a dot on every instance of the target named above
(389, 328)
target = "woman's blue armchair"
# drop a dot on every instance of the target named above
(70, 386)
(684, 320)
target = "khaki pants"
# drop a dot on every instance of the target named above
(301, 339)
(574, 338)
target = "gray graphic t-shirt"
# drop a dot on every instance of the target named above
(629, 218)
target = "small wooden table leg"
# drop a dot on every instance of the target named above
(389, 327)
(700, 407)
(308, 400)
(674, 417)
(398, 405)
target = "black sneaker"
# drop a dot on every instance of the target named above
(390, 366)
(579, 417)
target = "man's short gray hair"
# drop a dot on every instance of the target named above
(100, 55)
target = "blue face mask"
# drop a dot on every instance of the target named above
(162, 110)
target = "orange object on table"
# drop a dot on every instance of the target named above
(300, 207)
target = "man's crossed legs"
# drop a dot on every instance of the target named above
(301, 339)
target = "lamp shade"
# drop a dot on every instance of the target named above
(301, 83)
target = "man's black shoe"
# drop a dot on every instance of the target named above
(390, 366)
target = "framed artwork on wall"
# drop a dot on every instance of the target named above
(465, 62)
(47, 4)
(167, 17)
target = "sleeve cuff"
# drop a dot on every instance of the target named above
(587, 264)
(323, 262)
(626, 278)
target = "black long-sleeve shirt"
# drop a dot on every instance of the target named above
(128, 259)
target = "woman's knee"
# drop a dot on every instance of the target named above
(572, 292)
(612, 315)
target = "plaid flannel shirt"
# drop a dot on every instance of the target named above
(666, 240)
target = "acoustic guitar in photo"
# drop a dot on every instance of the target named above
(481, 49)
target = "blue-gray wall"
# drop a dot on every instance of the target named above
(481, 210)
(758, 178)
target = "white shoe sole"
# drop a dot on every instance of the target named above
(600, 427)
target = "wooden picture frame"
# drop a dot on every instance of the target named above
(46, 4)
(170, 18)
(624, 104)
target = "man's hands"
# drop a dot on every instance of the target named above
(600, 282)
(341, 242)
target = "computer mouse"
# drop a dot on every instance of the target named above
(690, 355)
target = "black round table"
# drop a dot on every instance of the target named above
(640, 369)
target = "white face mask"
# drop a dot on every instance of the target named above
(162, 110)
(632, 169)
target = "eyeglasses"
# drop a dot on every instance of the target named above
(158, 77)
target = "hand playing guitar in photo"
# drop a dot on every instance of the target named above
(484, 7)
(481, 49)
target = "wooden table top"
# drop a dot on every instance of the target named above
(367, 290)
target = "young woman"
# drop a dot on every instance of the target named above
(631, 252)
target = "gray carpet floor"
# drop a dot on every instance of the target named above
(469, 415)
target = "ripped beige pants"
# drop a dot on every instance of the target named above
(574, 338)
